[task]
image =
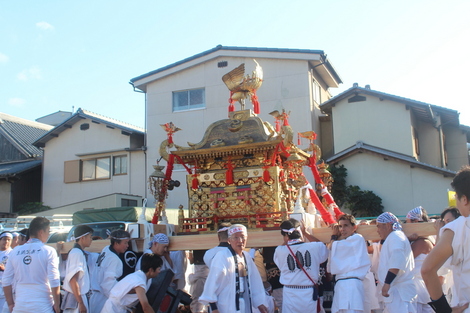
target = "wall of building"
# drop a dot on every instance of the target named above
(456, 148)
(401, 187)
(429, 146)
(286, 85)
(5, 196)
(385, 124)
(76, 144)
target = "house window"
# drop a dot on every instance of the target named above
(120, 165)
(96, 168)
(316, 92)
(189, 99)
(128, 202)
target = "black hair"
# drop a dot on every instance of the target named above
(291, 223)
(37, 224)
(223, 235)
(118, 234)
(82, 230)
(454, 211)
(25, 233)
(348, 217)
(150, 261)
(461, 182)
(6, 231)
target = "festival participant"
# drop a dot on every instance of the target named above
(23, 236)
(452, 244)
(447, 216)
(395, 271)
(14, 240)
(234, 283)
(223, 243)
(132, 289)
(77, 277)
(350, 262)
(34, 268)
(108, 269)
(197, 280)
(159, 246)
(5, 249)
(179, 259)
(421, 247)
(299, 263)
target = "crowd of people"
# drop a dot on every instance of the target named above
(396, 274)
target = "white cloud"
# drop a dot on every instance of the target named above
(16, 102)
(44, 26)
(28, 74)
(3, 58)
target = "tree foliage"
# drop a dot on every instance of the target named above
(362, 203)
(32, 207)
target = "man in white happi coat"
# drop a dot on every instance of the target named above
(222, 234)
(453, 245)
(396, 265)
(6, 239)
(77, 277)
(299, 263)
(132, 289)
(350, 262)
(108, 269)
(234, 283)
(34, 267)
(159, 246)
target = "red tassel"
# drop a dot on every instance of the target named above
(195, 182)
(282, 177)
(229, 172)
(299, 140)
(155, 219)
(278, 125)
(286, 121)
(231, 107)
(254, 100)
(326, 216)
(266, 176)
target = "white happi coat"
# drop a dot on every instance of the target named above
(120, 300)
(396, 253)
(35, 268)
(350, 262)
(210, 254)
(220, 283)
(311, 254)
(77, 263)
(3, 259)
(460, 260)
(107, 270)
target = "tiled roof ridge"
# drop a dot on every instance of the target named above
(109, 119)
(22, 121)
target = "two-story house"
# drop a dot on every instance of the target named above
(191, 94)
(404, 150)
(92, 161)
(20, 162)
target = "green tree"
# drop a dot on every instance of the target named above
(362, 203)
(32, 207)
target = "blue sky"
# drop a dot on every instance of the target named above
(55, 55)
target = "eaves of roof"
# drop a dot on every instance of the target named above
(11, 169)
(423, 110)
(324, 61)
(361, 147)
(22, 133)
(81, 115)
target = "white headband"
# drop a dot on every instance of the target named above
(6, 235)
(222, 229)
(290, 231)
(236, 229)
(108, 232)
(73, 238)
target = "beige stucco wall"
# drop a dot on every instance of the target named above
(286, 84)
(429, 150)
(401, 187)
(108, 201)
(456, 148)
(98, 138)
(385, 124)
(5, 196)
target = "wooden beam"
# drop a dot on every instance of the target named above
(259, 239)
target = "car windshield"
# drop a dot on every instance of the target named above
(101, 229)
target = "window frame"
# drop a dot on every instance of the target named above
(96, 169)
(120, 157)
(188, 106)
